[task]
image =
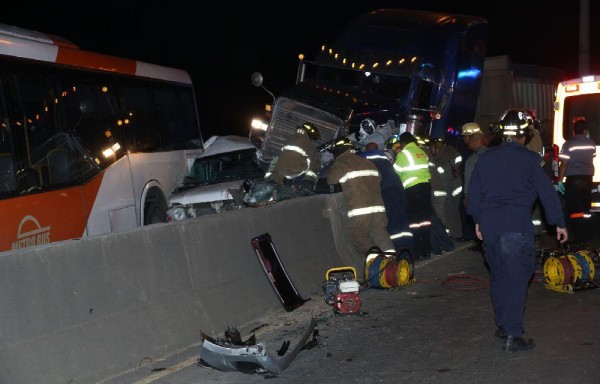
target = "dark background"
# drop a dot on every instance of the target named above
(222, 44)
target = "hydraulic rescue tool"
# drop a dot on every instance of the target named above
(341, 289)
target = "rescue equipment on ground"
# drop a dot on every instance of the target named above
(340, 290)
(570, 270)
(389, 269)
(271, 264)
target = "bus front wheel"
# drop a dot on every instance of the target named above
(155, 213)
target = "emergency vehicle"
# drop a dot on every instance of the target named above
(575, 99)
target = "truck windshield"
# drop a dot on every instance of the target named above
(393, 87)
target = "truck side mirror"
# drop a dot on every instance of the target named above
(257, 79)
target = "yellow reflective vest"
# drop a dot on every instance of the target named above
(412, 165)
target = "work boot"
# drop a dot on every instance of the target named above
(515, 344)
(500, 334)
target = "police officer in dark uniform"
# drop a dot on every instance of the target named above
(505, 183)
(394, 198)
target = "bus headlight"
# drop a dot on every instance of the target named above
(176, 213)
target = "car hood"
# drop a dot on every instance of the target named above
(205, 193)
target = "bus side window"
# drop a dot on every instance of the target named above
(8, 181)
(92, 117)
(139, 114)
(183, 119)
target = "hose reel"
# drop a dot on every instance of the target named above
(389, 269)
(568, 271)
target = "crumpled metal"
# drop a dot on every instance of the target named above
(225, 356)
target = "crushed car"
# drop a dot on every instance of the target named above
(228, 175)
(216, 180)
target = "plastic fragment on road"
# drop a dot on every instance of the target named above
(226, 356)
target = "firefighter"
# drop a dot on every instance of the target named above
(412, 166)
(474, 140)
(298, 163)
(446, 183)
(394, 198)
(505, 183)
(360, 183)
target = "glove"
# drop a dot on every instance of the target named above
(561, 187)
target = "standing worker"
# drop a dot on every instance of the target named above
(533, 142)
(446, 183)
(474, 139)
(394, 198)
(299, 162)
(412, 166)
(577, 164)
(506, 181)
(360, 182)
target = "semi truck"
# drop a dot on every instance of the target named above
(506, 84)
(409, 70)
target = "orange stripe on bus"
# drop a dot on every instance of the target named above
(576, 215)
(95, 61)
(47, 217)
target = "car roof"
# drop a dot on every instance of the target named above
(225, 144)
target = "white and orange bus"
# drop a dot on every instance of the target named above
(575, 99)
(89, 143)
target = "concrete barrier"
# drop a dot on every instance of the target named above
(82, 311)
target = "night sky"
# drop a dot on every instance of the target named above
(223, 46)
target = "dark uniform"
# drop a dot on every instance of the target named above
(506, 181)
(412, 165)
(394, 199)
(360, 182)
(446, 184)
(578, 153)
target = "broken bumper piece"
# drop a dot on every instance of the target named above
(248, 358)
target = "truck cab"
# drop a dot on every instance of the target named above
(408, 70)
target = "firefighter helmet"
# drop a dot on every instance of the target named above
(310, 130)
(469, 129)
(340, 146)
(394, 139)
(515, 122)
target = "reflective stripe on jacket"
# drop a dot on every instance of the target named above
(412, 165)
(360, 182)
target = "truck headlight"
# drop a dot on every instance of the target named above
(259, 124)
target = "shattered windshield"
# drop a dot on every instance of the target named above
(237, 165)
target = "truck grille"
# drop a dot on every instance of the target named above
(289, 114)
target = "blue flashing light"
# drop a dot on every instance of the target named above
(470, 73)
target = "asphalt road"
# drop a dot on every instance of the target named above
(437, 330)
